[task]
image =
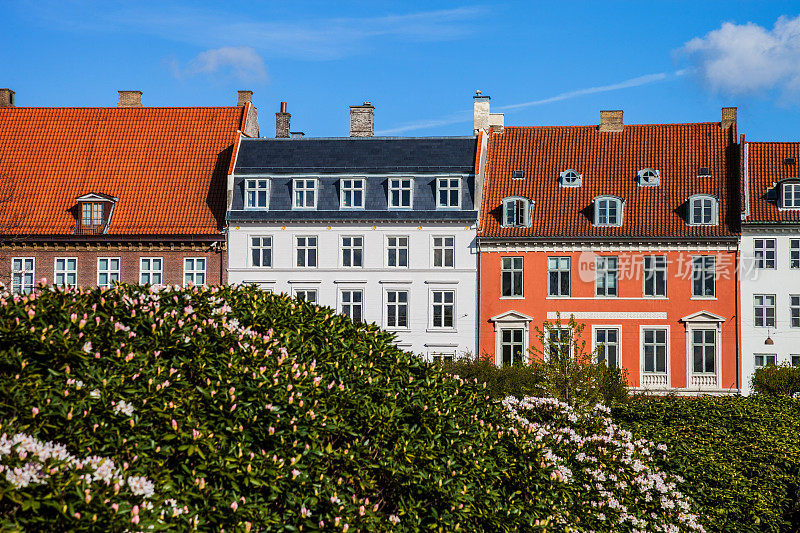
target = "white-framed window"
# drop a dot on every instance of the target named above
(66, 271)
(396, 309)
(305, 193)
(649, 177)
(194, 270)
(441, 355)
(448, 193)
(655, 350)
(397, 251)
(605, 276)
(512, 346)
(794, 310)
(511, 277)
(308, 295)
(256, 193)
(704, 351)
(570, 178)
(794, 253)
(654, 269)
(760, 360)
(351, 193)
(401, 193)
(306, 250)
(352, 304)
(764, 251)
(261, 251)
(606, 342)
(558, 273)
(703, 210)
(516, 212)
(764, 310)
(107, 271)
(352, 251)
(795, 359)
(151, 270)
(444, 251)
(559, 340)
(791, 196)
(443, 309)
(608, 211)
(22, 274)
(704, 276)
(92, 213)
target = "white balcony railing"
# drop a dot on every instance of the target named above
(704, 381)
(654, 381)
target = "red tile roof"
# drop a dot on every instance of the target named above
(167, 167)
(764, 169)
(609, 163)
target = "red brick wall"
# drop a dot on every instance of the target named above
(172, 267)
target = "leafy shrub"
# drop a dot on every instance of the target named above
(231, 408)
(740, 457)
(776, 380)
(501, 381)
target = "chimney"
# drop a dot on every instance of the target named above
(611, 120)
(282, 120)
(6, 98)
(296, 134)
(728, 117)
(481, 112)
(362, 120)
(244, 97)
(130, 99)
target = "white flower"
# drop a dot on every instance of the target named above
(123, 407)
(87, 347)
(141, 486)
(95, 393)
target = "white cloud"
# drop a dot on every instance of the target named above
(748, 58)
(241, 62)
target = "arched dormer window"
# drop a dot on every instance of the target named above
(790, 194)
(649, 177)
(703, 210)
(516, 212)
(570, 178)
(608, 211)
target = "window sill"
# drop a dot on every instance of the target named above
(512, 297)
(400, 329)
(441, 330)
(645, 297)
(557, 297)
(703, 298)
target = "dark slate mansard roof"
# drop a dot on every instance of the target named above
(330, 159)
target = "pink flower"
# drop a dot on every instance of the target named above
(35, 411)
(295, 473)
(234, 506)
(115, 506)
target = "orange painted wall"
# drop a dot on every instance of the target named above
(679, 303)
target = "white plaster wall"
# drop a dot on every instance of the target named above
(374, 278)
(781, 281)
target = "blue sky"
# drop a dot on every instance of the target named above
(419, 63)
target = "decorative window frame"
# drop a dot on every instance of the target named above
(703, 320)
(305, 189)
(642, 373)
(439, 188)
(511, 320)
(620, 207)
(570, 179)
(690, 220)
(352, 190)
(247, 189)
(509, 202)
(648, 177)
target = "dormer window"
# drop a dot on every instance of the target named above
(703, 172)
(649, 177)
(790, 197)
(607, 211)
(256, 193)
(448, 193)
(703, 210)
(570, 178)
(400, 193)
(94, 213)
(519, 175)
(352, 193)
(516, 212)
(305, 193)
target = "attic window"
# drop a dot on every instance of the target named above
(607, 211)
(94, 211)
(703, 172)
(789, 160)
(703, 210)
(570, 178)
(516, 212)
(790, 198)
(649, 177)
(519, 174)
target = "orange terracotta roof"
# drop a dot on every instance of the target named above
(765, 167)
(167, 167)
(609, 163)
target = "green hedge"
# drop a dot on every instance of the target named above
(776, 380)
(740, 456)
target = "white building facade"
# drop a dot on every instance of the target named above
(381, 229)
(770, 257)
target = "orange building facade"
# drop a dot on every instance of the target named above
(632, 231)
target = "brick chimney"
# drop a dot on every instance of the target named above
(130, 99)
(6, 98)
(282, 120)
(728, 117)
(481, 112)
(611, 120)
(245, 97)
(362, 120)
